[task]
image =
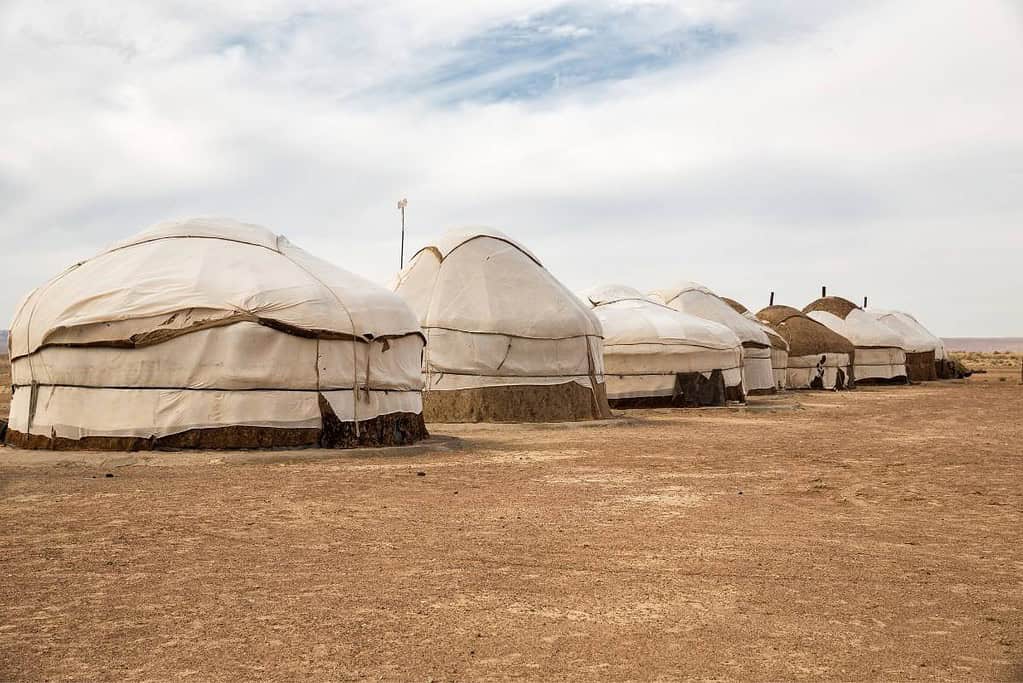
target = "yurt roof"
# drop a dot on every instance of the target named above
(457, 237)
(204, 228)
(482, 281)
(834, 305)
(182, 276)
(629, 317)
(916, 337)
(776, 341)
(805, 335)
(739, 308)
(853, 323)
(701, 301)
(607, 294)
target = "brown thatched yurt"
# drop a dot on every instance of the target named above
(818, 357)
(878, 355)
(779, 347)
(507, 342)
(210, 333)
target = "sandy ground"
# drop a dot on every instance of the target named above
(995, 367)
(869, 534)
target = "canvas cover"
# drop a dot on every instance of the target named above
(826, 371)
(208, 323)
(878, 351)
(779, 347)
(695, 299)
(817, 356)
(494, 316)
(780, 366)
(915, 337)
(646, 344)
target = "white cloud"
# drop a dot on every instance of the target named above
(875, 147)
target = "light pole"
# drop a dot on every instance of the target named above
(401, 207)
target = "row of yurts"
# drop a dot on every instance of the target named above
(209, 333)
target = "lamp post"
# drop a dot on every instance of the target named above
(401, 207)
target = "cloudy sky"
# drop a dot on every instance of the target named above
(752, 145)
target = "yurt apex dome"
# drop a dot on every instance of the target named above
(878, 355)
(210, 333)
(695, 299)
(779, 347)
(818, 357)
(506, 341)
(655, 355)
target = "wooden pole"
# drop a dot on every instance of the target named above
(864, 302)
(401, 207)
(824, 291)
(772, 299)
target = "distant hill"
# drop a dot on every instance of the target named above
(984, 344)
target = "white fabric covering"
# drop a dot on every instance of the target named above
(194, 324)
(802, 370)
(915, 337)
(246, 271)
(779, 355)
(494, 316)
(646, 344)
(780, 367)
(694, 299)
(878, 352)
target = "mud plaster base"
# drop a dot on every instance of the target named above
(692, 390)
(920, 367)
(395, 429)
(568, 402)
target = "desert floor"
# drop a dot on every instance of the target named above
(868, 534)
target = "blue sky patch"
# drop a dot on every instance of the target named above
(566, 48)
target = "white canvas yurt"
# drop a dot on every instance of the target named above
(878, 354)
(210, 333)
(925, 353)
(506, 341)
(818, 358)
(655, 355)
(779, 347)
(689, 297)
